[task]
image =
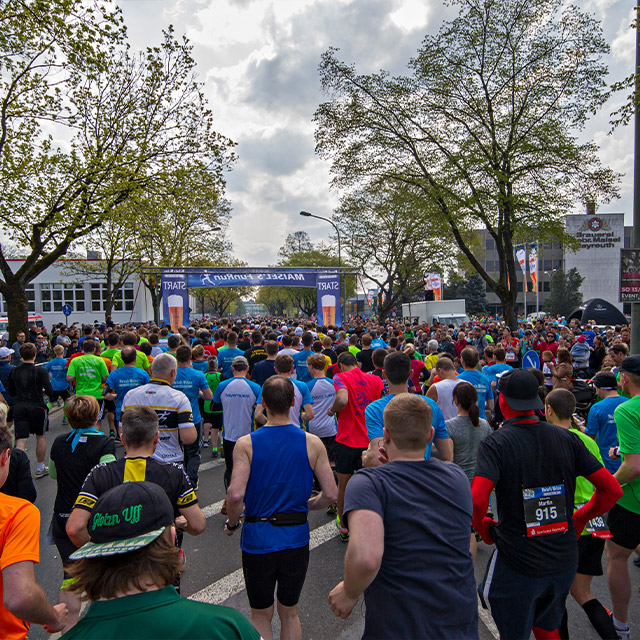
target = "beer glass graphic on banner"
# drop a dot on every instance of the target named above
(176, 304)
(328, 309)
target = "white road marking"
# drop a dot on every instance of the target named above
(212, 464)
(486, 618)
(212, 509)
(233, 583)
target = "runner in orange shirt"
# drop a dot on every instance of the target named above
(22, 600)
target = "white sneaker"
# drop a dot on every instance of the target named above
(42, 472)
(623, 634)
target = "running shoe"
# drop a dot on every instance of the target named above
(623, 634)
(205, 444)
(223, 509)
(214, 453)
(332, 509)
(42, 472)
(64, 420)
(112, 435)
(342, 532)
(636, 561)
(183, 559)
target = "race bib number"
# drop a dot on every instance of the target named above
(545, 510)
(597, 527)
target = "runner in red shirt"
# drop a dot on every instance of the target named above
(354, 391)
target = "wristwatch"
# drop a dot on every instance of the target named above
(229, 527)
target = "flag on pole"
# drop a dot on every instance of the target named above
(371, 293)
(533, 265)
(521, 256)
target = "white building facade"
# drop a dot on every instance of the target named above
(57, 286)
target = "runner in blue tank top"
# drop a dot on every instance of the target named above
(273, 475)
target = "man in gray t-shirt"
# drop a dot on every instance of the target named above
(409, 522)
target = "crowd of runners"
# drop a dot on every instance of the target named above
(422, 441)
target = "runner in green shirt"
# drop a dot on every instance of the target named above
(559, 408)
(212, 414)
(88, 372)
(624, 517)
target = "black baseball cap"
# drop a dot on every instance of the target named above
(605, 380)
(126, 518)
(631, 364)
(520, 389)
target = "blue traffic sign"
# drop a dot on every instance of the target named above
(66, 309)
(531, 360)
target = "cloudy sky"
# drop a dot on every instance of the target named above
(258, 60)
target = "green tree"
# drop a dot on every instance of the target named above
(392, 240)
(565, 293)
(484, 126)
(117, 121)
(280, 300)
(472, 290)
(180, 221)
(296, 242)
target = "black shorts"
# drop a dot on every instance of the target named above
(109, 406)
(262, 571)
(214, 419)
(348, 459)
(624, 526)
(518, 602)
(63, 395)
(30, 419)
(58, 536)
(330, 445)
(590, 555)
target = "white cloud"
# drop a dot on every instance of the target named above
(623, 47)
(411, 15)
(258, 60)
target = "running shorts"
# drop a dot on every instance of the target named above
(214, 419)
(30, 419)
(624, 526)
(518, 602)
(590, 555)
(62, 394)
(348, 459)
(263, 571)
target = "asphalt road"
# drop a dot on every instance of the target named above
(213, 570)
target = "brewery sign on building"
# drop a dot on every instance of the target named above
(600, 237)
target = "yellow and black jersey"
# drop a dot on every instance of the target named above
(169, 476)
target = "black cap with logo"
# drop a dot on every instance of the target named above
(520, 389)
(126, 518)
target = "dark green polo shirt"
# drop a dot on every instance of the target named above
(161, 615)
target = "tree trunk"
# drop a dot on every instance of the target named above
(17, 306)
(108, 302)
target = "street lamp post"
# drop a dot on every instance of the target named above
(306, 214)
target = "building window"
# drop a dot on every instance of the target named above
(122, 300)
(54, 296)
(491, 244)
(548, 265)
(31, 298)
(557, 264)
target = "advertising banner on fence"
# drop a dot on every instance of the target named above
(328, 294)
(175, 299)
(533, 265)
(630, 275)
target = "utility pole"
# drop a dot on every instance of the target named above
(635, 306)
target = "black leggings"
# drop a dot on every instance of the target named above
(228, 448)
